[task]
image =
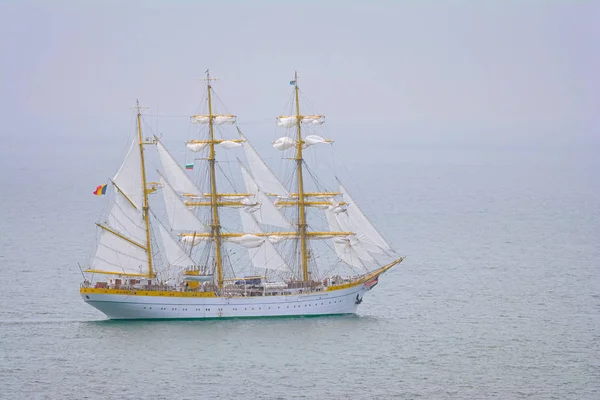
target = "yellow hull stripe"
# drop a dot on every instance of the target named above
(156, 293)
(97, 271)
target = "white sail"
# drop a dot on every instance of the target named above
(175, 255)
(115, 254)
(224, 119)
(196, 147)
(181, 218)
(126, 219)
(267, 213)
(291, 121)
(218, 119)
(129, 176)
(287, 122)
(266, 180)
(200, 119)
(284, 143)
(343, 219)
(174, 173)
(313, 119)
(265, 256)
(229, 144)
(350, 253)
(248, 240)
(360, 224)
(314, 139)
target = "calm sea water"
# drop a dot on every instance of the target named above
(499, 296)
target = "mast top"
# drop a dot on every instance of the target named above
(208, 78)
(295, 81)
(139, 108)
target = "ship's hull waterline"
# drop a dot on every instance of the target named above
(197, 305)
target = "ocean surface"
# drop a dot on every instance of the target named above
(498, 298)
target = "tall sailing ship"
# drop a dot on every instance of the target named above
(307, 250)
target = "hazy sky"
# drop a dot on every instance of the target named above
(449, 70)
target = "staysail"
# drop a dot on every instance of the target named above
(267, 213)
(175, 255)
(347, 249)
(174, 173)
(360, 224)
(266, 255)
(181, 218)
(261, 173)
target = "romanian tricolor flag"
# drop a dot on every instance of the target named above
(100, 190)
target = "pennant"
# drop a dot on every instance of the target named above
(100, 190)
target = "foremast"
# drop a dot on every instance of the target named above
(145, 206)
(214, 199)
(301, 199)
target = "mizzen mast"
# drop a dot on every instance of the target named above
(145, 207)
(301, 199)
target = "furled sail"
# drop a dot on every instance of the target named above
(218, 119)
(287, 122)
(228, 144)
(267, 213)
(265, 256)
(291, 121)
(196, 147)
(314, 139)
(194, 240)
(181, 218)
(266, 180)
(313, 119)
(360, 224)
(284, 143)
(129, 176)
(248, 240)
(174, 173)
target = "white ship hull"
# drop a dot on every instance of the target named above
(179, 306)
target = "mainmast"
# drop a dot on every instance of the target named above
(214, 204)
(145, 207)
(301, 200)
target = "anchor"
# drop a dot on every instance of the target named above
(358, 300)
